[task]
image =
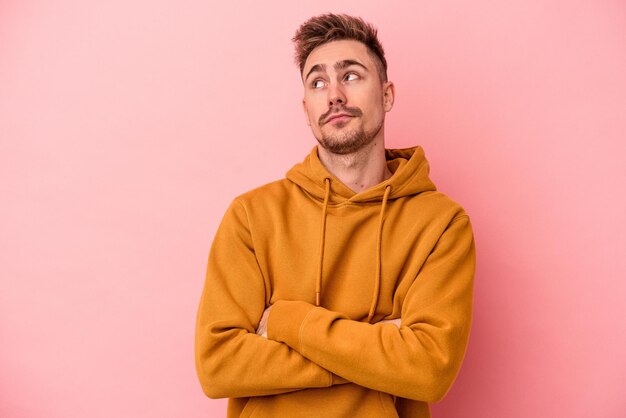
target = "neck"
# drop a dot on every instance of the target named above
(360, 170)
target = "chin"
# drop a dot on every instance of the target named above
(349, 143)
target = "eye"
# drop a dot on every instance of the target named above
(354, 74)
(314, 83)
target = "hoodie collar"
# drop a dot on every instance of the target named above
(410, 176)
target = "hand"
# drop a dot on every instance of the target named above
(262, 329)
(396, 322)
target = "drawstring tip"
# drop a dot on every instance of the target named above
(317, 298)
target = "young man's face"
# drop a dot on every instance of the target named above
(340, 77)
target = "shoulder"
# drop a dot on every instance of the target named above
(273, 191)
(441, 204)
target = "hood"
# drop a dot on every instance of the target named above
(410, 176)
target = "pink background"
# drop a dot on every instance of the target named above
(127, 127)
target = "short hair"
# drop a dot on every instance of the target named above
(328, 27)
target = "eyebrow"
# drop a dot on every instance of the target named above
(339, 65)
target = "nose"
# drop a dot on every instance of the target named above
(336, 94)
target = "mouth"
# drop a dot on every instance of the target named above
(338, 117)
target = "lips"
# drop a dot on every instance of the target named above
(337, 115)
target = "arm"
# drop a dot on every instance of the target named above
(231, 360)
(417, 361)
(262, 329)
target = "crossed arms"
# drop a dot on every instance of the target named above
(262, 329)
(308, 346)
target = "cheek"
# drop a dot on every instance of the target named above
(313, 118)
(375, 105)
(314, 108)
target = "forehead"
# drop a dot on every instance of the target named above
(334, 51)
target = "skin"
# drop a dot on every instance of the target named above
(352, 150)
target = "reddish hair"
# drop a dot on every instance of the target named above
(329, 27)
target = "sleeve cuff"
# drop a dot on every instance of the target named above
(285, 321)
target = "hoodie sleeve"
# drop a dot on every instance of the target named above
(231, 360)
(420, 359)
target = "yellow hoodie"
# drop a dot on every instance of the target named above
(334, 263)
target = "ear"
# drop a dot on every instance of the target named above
(306, 113)
(389, 94)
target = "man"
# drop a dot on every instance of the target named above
(345, 289)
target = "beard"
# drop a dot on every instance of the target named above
(348, 141)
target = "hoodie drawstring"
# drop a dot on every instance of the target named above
(378, 254)
(318, 284)
(377, 277)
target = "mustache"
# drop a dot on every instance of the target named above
(352, 111)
